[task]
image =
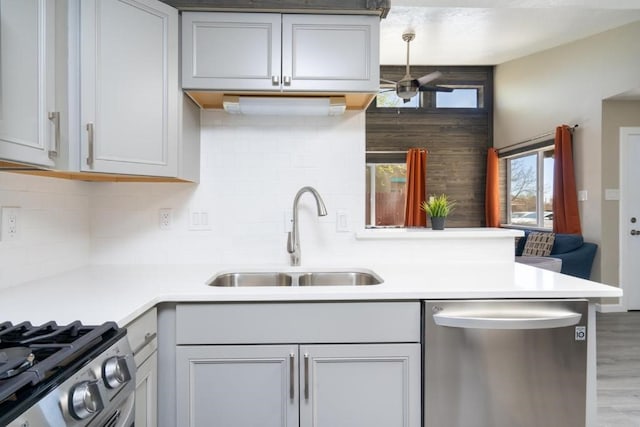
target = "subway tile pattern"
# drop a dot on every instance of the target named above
(53, 227)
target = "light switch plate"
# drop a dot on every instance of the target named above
(199, 220)
(342, 220)
(612, 194)
(582, 195)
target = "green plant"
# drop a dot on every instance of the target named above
(438, 206)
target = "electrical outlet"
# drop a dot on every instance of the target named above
(166, 218)
(199, 220)
(9, 229)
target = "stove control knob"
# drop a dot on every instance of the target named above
(115, 371)
(85, 400)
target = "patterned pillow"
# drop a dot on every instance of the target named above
(538, 244)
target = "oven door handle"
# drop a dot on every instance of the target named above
(499, 319)
(147, 340)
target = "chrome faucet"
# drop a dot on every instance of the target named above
(293, 241)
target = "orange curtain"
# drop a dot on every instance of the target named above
(492, 192)
(566, 217)
(414, 216)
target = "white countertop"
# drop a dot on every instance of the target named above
(96, 294)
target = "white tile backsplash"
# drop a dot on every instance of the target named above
(251, 169)
(53, 227)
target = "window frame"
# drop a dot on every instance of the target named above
(479, 96)
(540, 211)
(371, 167)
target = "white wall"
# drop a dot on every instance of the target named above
(566, 85)
(53, 227)
(615, 114)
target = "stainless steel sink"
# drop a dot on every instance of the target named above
(241, 279)
(296, 278)
(338, 278)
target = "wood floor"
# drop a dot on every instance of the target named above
(618, 349)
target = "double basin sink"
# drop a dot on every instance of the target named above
(295, 278)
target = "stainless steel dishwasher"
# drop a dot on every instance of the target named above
(505, 363)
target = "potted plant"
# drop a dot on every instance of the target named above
(438, 208)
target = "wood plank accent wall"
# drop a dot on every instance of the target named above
(456, 139)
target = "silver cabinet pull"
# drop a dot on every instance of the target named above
(292, 386)
(148, 337)
(287, 80)
(306, 376)
(90, 148)
(54, 116)
(275, 80)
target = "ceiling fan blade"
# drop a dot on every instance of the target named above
(388, 81)
(387, 90)
(435, 89)
(429, 77)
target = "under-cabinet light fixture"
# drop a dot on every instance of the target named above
(285, 106)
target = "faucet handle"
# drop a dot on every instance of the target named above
(290, 247)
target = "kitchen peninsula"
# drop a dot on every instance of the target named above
(196, 322)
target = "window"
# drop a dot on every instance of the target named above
(385, 194)
(459, 98)
(530, 189)
(387, 98)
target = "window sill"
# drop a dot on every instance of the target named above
(427, 233)
(525, 227)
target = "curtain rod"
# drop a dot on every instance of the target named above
(535, 138)
(391, 152)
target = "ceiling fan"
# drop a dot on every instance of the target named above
(408, 87)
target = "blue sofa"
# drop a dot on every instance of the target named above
(576, 254)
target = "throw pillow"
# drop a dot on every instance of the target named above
(538, 244)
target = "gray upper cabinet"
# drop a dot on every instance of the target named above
(280, 52)
(91, 87)
(27, 73)
(128, 74)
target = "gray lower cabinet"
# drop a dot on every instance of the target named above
(142, 335)
(340, 385)
(278, 364)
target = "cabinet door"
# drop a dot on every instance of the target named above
(27, 40)
(129, 65)
(147, 392)
(330, 53)
(228, 51)
(230, 386)
(373, 385)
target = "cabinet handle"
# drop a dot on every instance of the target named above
(275, 80)
(54, 116)
(287, 80)
(90, 148)
(306, 376)
(292, 387)
(148, 337)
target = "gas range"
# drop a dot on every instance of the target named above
(65, 375)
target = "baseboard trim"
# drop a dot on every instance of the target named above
(610, 308)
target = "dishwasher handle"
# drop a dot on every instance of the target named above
(474, 318)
